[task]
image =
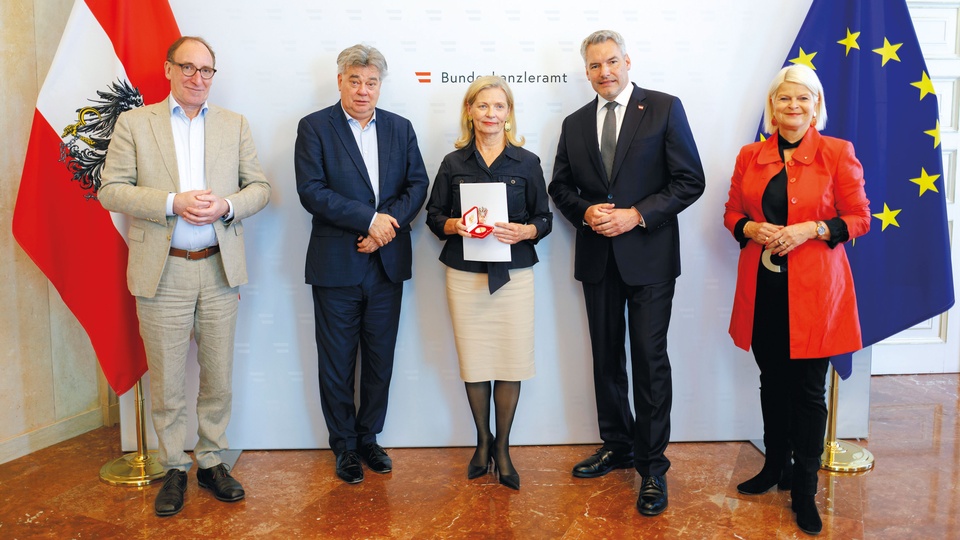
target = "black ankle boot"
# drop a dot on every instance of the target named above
(786, 478)
(763, 481)
(776, 471)
(808, 517)
(804, 493)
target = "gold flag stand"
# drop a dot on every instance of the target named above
(137, 469)
(841, 456)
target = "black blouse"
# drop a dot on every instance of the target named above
(527, 201)
(774, 204)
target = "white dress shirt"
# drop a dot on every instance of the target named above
(622, 100)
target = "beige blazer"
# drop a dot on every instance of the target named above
(141, 169)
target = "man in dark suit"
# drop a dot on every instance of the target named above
(360, 174)
(626, 165)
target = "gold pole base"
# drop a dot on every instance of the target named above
(842, 456)
(133, 470)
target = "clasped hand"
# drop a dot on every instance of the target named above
(609, 221)
(779, 240)
(382, 231)
(199, 206)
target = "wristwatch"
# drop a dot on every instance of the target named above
(821, 229)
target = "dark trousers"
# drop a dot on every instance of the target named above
(648, 317)
(365, 316)
(792, 391)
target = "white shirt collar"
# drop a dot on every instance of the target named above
(622, 99)
(175, 107)
(351, 119)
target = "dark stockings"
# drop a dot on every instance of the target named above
(478, 395)
(506, 395)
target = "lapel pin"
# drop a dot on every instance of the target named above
(640, 107)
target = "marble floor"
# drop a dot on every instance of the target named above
(911, 493)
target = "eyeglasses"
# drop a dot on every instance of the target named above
(189, 69)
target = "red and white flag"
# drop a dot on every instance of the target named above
(110, 59)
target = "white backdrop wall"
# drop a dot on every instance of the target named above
(277, 63)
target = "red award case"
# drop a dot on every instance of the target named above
(471, 218)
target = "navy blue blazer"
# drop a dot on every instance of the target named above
(334, 187)
(656, 169)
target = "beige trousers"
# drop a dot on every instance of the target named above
(193, 296)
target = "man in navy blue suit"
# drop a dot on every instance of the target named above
(626, 165)
(360, 174)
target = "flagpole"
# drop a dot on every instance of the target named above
(841, 456)
(139, 468)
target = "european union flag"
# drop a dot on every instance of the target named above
(879, 97)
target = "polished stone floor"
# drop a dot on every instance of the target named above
(911, 493)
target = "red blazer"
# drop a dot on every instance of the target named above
(825, 180)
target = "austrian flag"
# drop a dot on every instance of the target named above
(110, 59)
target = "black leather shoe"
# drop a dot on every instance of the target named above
(376, 458)
(601, 463)
(218, 480)
(476, 471)
(511, 480)
(653, 495)
(170, 499)
(348, 467)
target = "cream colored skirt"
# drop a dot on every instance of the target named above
(493, 332)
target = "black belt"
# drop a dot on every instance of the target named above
(194, 255)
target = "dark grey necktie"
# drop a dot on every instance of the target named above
(608, 138)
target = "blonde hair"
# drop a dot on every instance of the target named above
(802, 75)
(466, 125)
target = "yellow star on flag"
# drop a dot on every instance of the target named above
(926, 182)
(888, 217)
(804, 59)
(888, 52)
(935, 133)
(850, 41)
(762, 138)
(925, 85)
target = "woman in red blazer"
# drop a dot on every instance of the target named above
(795, 198)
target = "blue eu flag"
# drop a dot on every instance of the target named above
(879, 97)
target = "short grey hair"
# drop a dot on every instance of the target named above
(601, 36)
(363, 56)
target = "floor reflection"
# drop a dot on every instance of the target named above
(911, 492)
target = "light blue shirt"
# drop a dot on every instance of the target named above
(366, 138)
(188, 140)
